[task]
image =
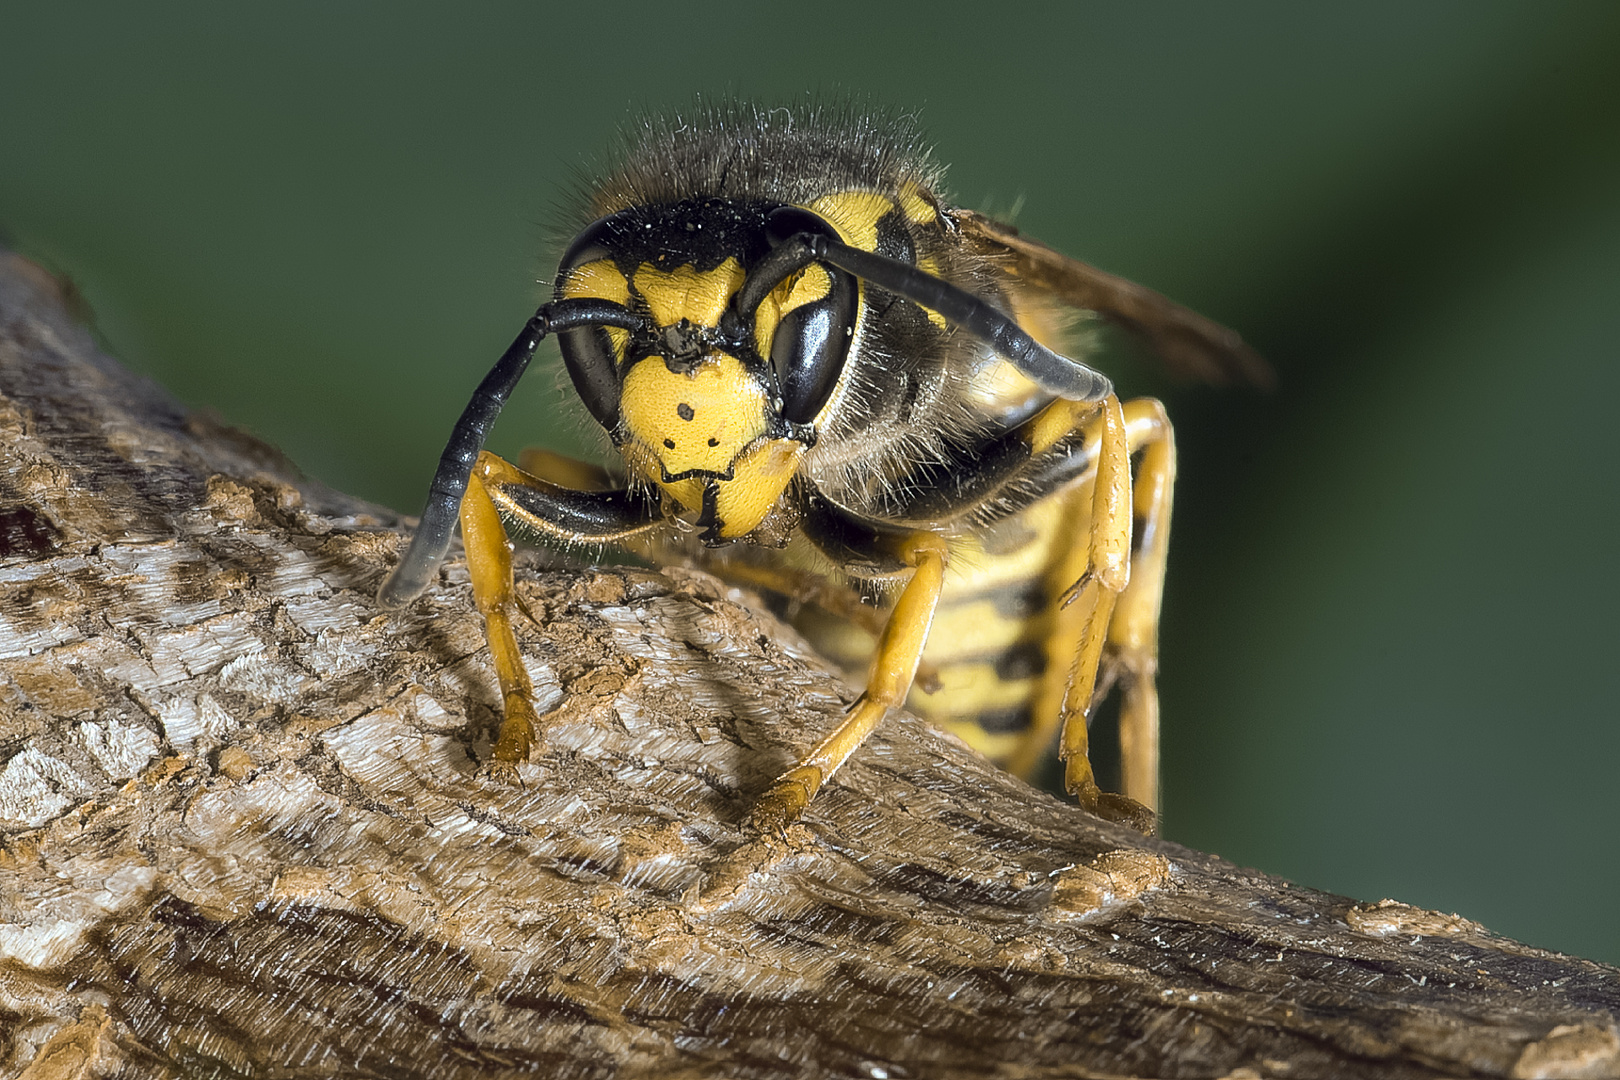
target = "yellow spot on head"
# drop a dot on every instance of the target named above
(917, 208)
(807, 286)
(700, 297)
(855, 215)
(597, 280)
(600, 280)
(691, 420)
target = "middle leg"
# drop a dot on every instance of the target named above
(894, 666)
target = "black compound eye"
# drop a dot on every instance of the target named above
(588, 352)
(811, 341)
(809, 349)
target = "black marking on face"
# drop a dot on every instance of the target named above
(685, 412)
(709, 517)
(669, 444)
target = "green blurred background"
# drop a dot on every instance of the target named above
(1389, 639)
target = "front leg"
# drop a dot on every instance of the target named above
(1133, 636)
(489, 565)
(498, 489)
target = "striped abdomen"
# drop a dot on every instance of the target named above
(1000, 647)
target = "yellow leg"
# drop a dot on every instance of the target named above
(805, 587)
(1108, 569)
(494, 489)
(489, 564)
(893, 668)
(563, 470)
(1100, 630)
(1133, 637)
(1062, 640)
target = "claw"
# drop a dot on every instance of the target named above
(517, 737)
(785, 801)
(1124, 810)
(501, 772)
(1119, 809)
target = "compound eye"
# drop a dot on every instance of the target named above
(809, 349)
(812, 337)
(591, 353)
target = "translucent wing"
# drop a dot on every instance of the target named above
(1189, 344)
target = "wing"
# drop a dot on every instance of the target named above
(1189, 344)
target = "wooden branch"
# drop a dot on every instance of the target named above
(246, 835)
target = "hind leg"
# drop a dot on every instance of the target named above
(1105, 632)
(1133, 635)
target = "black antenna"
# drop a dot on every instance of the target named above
(1053, 371)
(438, 525)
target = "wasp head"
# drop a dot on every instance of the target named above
(713, 404)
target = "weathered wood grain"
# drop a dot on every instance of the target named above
(245, 833)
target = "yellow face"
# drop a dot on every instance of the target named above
(703, 430)
(697, 427)
(694, 421)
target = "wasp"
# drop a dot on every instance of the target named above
(826, 383)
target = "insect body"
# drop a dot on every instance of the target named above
(824, 382)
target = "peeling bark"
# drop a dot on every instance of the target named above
(245, 832)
